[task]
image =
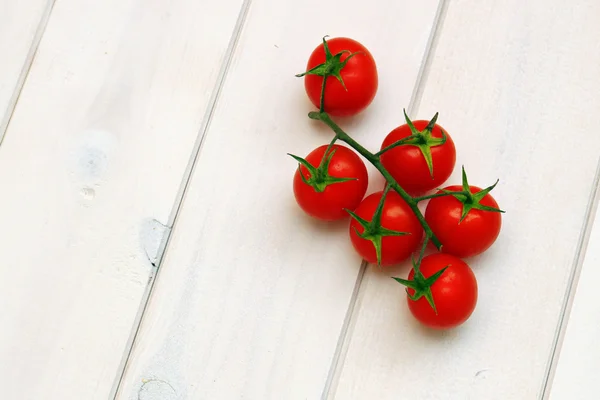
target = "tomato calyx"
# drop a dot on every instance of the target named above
(472, 200)
(332, 66)
(424, 140)
(373, 230)
(420, 284)
(319, 177)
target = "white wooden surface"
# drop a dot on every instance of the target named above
(578, 361)
(252, 295)
(511, 80)
(22, 25)
(253, 300)
(92, 159)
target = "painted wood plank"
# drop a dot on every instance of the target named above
(89, 169)
(252, 295)
(578, 356)
(21, 25)
(513, 82)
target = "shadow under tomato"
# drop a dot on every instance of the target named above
(435, 334)
(424, 332)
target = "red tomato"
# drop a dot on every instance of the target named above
(454, 293)
(408, 165)
(474, 234)
(330, 203)
(359, 76)
(396, 216)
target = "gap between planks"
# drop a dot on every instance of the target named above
(180, 197)
(337, 361)
(569, 296)
(33, 48)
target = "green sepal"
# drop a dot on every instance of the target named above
(395, 144)
(363, 222)
(407, 283)
(309, 167)
(472, 201)
(465, 181)
(373, 230)
(332, 65)
(426, 151)
(319, 176)
(421, 285)
(424, 139)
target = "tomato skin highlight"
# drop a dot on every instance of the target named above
(329, 205)
(359, 75)
(396, 216)
(474, 235)
(455, 293)
(407, 165)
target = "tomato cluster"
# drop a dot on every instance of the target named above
(386, 227)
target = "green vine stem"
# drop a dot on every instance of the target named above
(443, 194)
(332, 68)
(373, 230)
(375, 160)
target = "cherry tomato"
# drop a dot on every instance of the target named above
(396, 216)
(474, 234)
(359, 76)
(454, 293)
(329, 204)
(407, 163)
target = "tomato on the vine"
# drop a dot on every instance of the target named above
(425, 160)
(352, 78)
(396, 217)
(454, 293)
(340, 183)
(464, 234)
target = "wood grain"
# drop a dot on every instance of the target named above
(252, 294)
(516, 84)
(90, 168)
(21, 25)
(579, 356)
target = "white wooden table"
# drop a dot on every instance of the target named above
(150, 244)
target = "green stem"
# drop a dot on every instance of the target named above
(335, 138)
(322, 101)
(422, 253)
(375, 160)
(395, 144)
(433, 196)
